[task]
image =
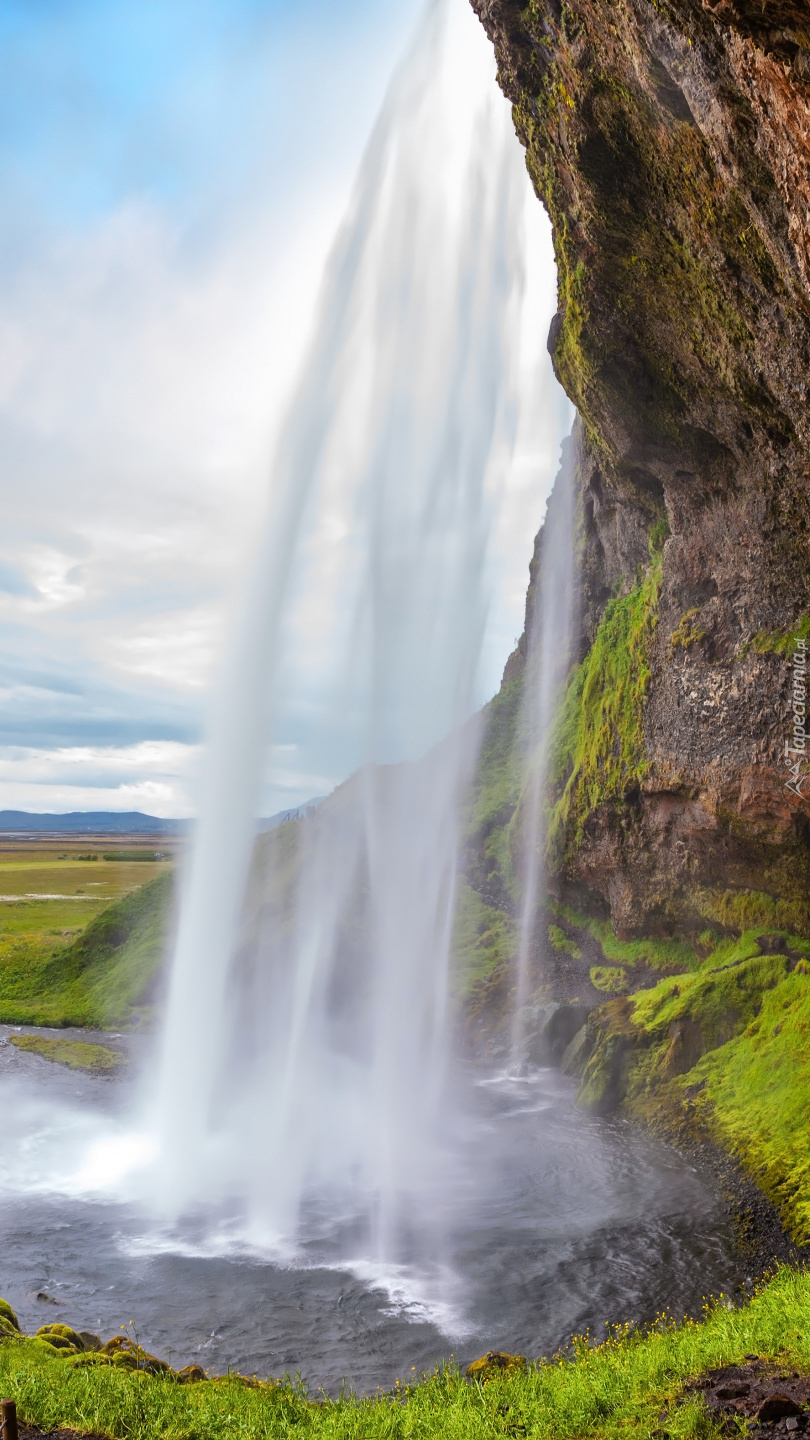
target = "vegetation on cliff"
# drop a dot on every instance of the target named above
(719, 1050)
(598, 751)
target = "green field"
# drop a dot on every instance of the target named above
(80, 938)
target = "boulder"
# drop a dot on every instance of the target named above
(191, 1374)
(555, 1027)
(578, 1052)
(496, 1365)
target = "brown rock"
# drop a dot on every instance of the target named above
(671, 147)
(191, 1374)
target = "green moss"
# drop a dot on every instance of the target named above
(757, 1096)
(721, 1000)
(779, 642)
(654, 952)
(562, 943)
(723, 1050)
(597, 751)
(742, 910)
(611, 978)
(495, 792)
(686, 634)
(76, 1054)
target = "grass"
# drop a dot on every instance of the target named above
(76, 1054)
(102, 978)
(617, 1388)
(49, 897)
(756, 1098)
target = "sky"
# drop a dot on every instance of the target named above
(174, 172)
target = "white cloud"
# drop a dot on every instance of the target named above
(178, 650)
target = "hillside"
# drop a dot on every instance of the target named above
(106, 977)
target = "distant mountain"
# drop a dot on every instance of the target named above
(126, 822)
(92, 822)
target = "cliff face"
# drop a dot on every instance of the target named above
(670, 143)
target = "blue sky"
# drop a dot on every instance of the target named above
(173, 174)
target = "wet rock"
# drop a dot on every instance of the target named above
(45, 1298)
(554, 1028)
(633, 117)
(495, 1365)
(685, 1048)
(130, 1356)
(576, 1055)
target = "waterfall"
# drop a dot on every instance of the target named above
(549, 638)
(303, 1065)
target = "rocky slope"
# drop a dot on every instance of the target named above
(670, 143)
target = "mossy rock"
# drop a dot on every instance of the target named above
(58, 1344)
(578, 1053)
(130, 1356)
(124, 1361)
(610, 978)
(6, 1313)
(61, 1337)
(91, 1360)
(7, 1330)
(496, 1365)
(191, 1375)
(602, 1090)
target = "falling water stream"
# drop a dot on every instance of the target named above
(306, 1175)
(327, 1087)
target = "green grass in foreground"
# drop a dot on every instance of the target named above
(103, 978)
(76, 1054)
(618, 1388)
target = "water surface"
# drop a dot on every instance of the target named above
(558, 1222)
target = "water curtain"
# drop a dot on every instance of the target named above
(302, 1074)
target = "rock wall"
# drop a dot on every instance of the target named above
(670, 143)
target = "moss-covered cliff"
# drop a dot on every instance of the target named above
(670, 143)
